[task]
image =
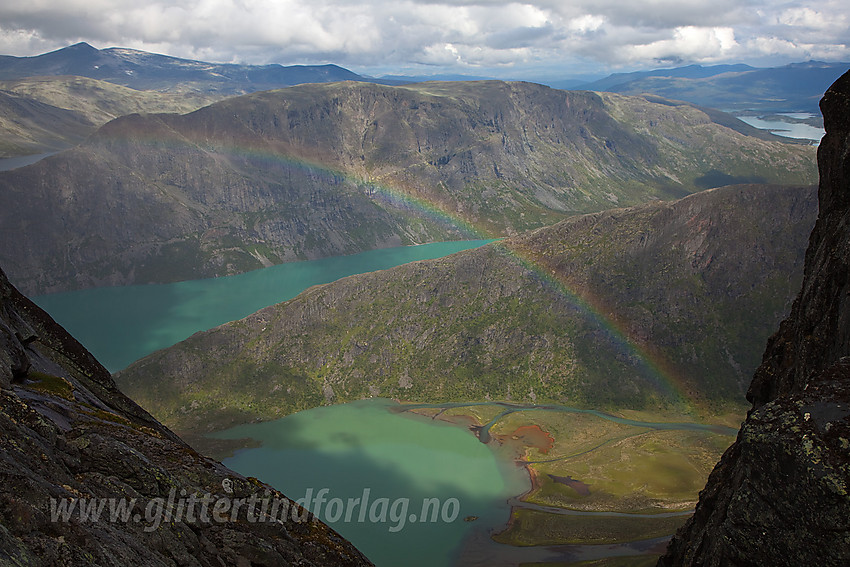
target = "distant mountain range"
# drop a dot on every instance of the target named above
(149, 71)
(323, 170)
(687, 72)
(628, 308)
(78, 88)
(737, 87)
(97, 85)
(794, 87)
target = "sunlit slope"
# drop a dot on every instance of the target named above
(661, 306)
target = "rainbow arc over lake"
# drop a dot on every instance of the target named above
(655, 366)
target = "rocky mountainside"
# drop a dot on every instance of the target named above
(779, 496)
(68, 436)
(320, 170)
(29, 126)
(150, 71)
(657, 306)
(43, 114)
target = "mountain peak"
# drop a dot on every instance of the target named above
(81, 46)
(142, 70)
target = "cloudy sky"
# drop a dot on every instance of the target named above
(484, 37)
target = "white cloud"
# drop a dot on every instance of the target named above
(586, 23)
(689, 43)
(456, 34)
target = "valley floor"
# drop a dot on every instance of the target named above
(597, 480)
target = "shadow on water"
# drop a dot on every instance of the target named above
(376, 446)
(122, 324)
(421, 479)
(717, 178)
(8, 164)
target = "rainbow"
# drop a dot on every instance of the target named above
(654, 365)
(387, 195)
(407, 199)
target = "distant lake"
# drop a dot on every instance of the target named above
(404, 458)
(7, 164)
(797, 130)
(122, 324)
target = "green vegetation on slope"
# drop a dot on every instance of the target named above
(99, 101)
(42, 114)
(659, 306)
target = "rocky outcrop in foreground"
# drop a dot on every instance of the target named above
(71, 443)
(780, 494)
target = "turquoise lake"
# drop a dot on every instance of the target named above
(405, 460)
(433, 492)
(401, 462)
(120, 325)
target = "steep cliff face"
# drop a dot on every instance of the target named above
(68, 437)
(780, 494)
(325, 170)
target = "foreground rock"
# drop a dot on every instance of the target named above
(780, 494)
(69, 437)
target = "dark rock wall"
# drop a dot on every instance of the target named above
(779, 496)
(67, 432)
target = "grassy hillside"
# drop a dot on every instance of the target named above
(666, 305)
(42, 114)
(28, 126)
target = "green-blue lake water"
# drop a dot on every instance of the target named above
(423, 478)
(347, 453)
(122, 324)
(403, 458)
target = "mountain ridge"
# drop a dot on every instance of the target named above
(284, 174)
(30, 126)
(142, 70)
(488, 323)
(60, 112)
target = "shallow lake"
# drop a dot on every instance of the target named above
(412, 468)
(796, 130)
(338, 452)
(122, 324)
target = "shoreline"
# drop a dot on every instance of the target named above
(514, 448)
